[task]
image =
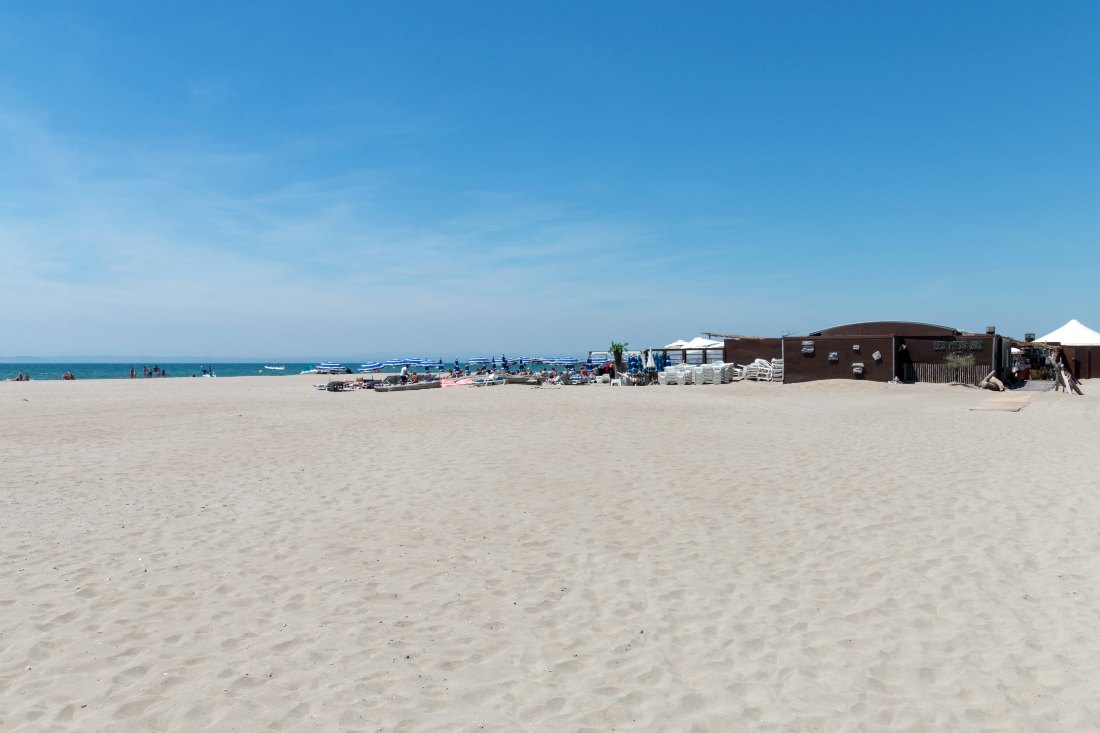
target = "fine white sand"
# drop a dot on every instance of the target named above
(250, 554)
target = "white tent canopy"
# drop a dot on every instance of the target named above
(696, 343)
(1073, 333)
(701, 343)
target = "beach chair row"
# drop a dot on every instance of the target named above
(717, 373)
(760, 370)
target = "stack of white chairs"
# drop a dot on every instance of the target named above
(760, 371)
(714, 373)
(707, 374)
(777, 370)
(721, 372)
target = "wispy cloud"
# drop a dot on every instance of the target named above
(109, 247)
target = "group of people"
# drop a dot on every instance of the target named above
(21, 377)
(147, 372)
(410, 376)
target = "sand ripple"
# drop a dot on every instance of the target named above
(252, 555)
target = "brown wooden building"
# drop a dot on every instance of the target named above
(884, 350)
(744, 349)
(1083, 361)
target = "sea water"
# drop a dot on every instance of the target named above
(93, 370)
(84, 370)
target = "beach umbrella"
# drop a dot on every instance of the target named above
(478, 360)
(400, 362)
(370, 366)
(429, 363)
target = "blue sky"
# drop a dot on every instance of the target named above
(350, 180)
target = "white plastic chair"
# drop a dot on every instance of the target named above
(777, 370)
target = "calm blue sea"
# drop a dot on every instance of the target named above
(122, 371)
(83, 370)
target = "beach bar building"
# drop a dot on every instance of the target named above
(881, 351)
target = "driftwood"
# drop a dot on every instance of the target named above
(991, 382)
(1072, 383)
(1063, 377)
(1064, 380)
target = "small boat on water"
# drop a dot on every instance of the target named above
(274, 368)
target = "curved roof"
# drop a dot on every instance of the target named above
(881, 328)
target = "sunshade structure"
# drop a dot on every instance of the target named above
(1073, 333)
(370, 366)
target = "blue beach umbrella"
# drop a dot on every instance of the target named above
(370, 366)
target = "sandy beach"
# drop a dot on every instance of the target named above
(250, 554)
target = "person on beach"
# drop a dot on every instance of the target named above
(132, 373)
(405, 374)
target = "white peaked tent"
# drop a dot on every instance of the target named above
(701, 343)
(696, 343)
(1073, 333)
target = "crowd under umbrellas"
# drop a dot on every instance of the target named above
(417, 373)
(482, 364)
